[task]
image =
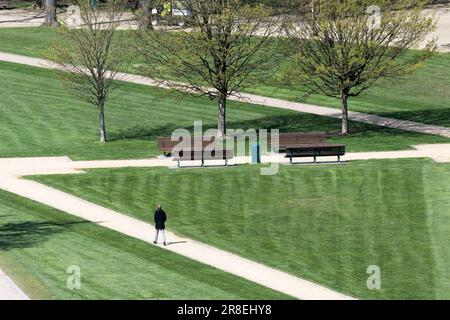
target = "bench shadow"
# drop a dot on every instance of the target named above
(319, 163)
(29, 234)
(206, 166)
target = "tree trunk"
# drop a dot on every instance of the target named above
(50, 14)
(345, 122)
(221, 126)
(102, 123)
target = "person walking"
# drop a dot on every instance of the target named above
(160, 220)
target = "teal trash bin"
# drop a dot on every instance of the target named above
(256, 154)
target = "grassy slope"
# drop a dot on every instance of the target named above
(422, 97)
(326, 223)
(38, 244)
(38, 118)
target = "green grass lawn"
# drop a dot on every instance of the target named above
(325, 223)
(38, 244)
(21, 4)
(39, 118)
(422, 97)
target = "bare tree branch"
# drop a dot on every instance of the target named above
(89, 67)
(219, 53)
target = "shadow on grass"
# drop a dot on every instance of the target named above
(314, 123)
(29, 234)
(285, 123)
(300, 122)
(440, 117)
(142, 133)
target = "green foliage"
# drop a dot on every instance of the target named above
(343, 47)
(347, 52)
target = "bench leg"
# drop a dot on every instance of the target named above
(290, 159)
(203, 162)
(178, 164)
(226, 162)
(315, 159)
(339, 159)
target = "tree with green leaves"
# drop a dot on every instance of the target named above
(219, 54)
(343, 47)
(88, 66)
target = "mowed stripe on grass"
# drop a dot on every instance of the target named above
(327, 224)
(420, 97)
(40, 119)
(38, 245)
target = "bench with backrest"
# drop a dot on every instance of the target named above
(311, 144)
(289, 139)
(166, 145)
(202, 155)
(203, 150)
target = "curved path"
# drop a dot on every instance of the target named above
(13, 169)
(11, 181)
(261, 100)
(33, 18)
(9, 290)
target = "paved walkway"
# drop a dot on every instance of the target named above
(9, 290)
(13, 169)
(335, 113)
(10, 180)
(20, 18)
(266, 101)
(31, 18)
(25, 18)
(20, 167)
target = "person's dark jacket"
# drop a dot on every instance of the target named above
(160, 219)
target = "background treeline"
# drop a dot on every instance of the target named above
(134, 3)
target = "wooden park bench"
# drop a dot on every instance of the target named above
(202, 155)
(312, 144)
(201, 152)
(166, 145)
